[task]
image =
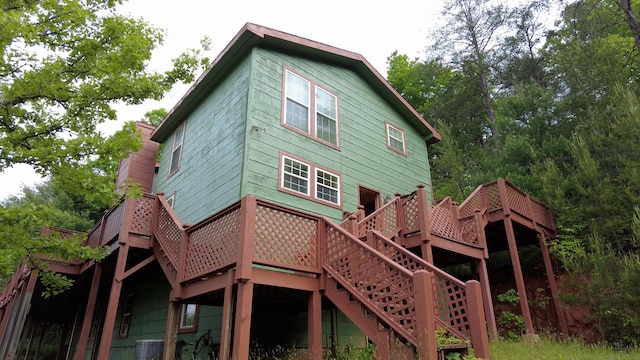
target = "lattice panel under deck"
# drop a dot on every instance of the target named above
(286, 239)
(383, 286)
(141, 222)
(411, 213)
(442, 223)
(385, 221)
(169, 235)
(518, 202)
(112, 224)
(212, 246)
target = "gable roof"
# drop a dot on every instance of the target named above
(250, 36)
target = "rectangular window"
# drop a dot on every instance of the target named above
(310, 109)
(327, 186)
(176, 149)
(125, 320)
(396, 139)
(307, 180)
(295, 175)
(188, 314)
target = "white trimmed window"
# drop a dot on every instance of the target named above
(396, 139)
(327, 186)
(171, 200)
(188, 315)
(176, 149)
(125, 320)
(295, 175)
(311, 109)
(307, 180)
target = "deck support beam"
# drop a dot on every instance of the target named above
(552, 284)
(517, 272)
(227, 314)
(242, 326)
(315, 326)
(489, 313)
(89, 312)
(112, 307)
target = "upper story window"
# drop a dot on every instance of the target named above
(311, 109)
(396, 139)
(176, 149)
(307, 180)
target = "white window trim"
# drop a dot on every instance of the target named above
(175, 146)
(312, 185)
(171, 200)
(312, 110)
(403, 140)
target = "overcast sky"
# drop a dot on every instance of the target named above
(372, 29)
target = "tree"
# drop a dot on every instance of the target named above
(63, 65)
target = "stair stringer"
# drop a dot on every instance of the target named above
(167, 267)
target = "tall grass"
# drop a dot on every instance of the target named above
(558, 350)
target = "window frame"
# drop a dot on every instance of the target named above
(312, 183)
(388, 126)
(175, 147)
(312, 115)
(171, 200)
(188, 328)
(125, 318)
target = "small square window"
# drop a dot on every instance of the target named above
(327, 186)
(396, 139)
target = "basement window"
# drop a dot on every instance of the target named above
(125, 320)
(188, 317)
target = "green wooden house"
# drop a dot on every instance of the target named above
(287, 213)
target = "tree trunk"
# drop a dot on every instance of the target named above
(632, 20)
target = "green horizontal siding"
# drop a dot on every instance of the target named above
(363, 158)
(210, 173)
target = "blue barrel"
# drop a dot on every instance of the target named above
(149, 349)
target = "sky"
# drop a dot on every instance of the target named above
(374, 30)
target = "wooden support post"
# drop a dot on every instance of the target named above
(87, 322)
(315, 326)
(248, 206)
(489, 313)
(425, 319)
(225, 332)
(479, 338)
(351, 225)
(171, 331)
(112, 306)
(424, 223)
(553, 286)
(517, 271)
(242, 327)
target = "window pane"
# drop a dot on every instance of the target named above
(396, 138)
(326, 117)
(298, 102)
(295, 176)
(188, 318)
(297, 116)
(326, 129)
(175, 160)
(327, 187)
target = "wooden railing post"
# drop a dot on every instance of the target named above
(424, 223)
(351, 225)
(183, 253)
(477, 321)
(425, 319)
(248, 211)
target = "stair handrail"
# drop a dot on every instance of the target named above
(401, 276)
(170, 246)
(413, 263)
